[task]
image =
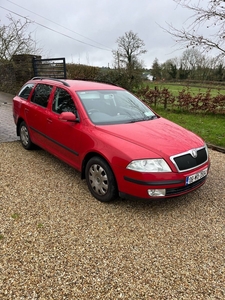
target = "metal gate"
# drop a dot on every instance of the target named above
(50, 67)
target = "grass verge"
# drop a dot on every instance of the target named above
(175, 88)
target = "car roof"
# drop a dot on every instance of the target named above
(77, 85)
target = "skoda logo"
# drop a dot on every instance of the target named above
(194, 153)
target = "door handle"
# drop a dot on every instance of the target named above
(26, 110)
(49, 120)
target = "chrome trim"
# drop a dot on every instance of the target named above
(194, 153)
(189, 152)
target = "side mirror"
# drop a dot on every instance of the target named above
(67, 117)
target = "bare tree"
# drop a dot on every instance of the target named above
(208, 16)
(128, 66)
(130, 47)
(14, 39)
(191, 59)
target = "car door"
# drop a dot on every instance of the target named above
(64, 136)
(36, 113)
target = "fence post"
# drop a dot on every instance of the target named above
(165, 103)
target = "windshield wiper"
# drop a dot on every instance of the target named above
(151, 118)
(134, 120)
(142, 119)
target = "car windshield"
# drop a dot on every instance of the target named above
(114, 107)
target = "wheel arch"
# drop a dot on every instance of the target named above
(87, 157)
(20, 120)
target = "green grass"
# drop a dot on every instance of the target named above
(175, 88)
(210, 127)
(15, 216)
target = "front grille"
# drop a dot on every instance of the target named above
(186, 161)
(186, 188)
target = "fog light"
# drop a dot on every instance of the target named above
(157, 193)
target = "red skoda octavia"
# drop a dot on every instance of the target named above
(119, 145)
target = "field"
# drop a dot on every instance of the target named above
(195, 89)
(211, 127)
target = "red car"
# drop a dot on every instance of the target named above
(119, 145)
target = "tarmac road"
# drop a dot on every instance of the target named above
(7, 125)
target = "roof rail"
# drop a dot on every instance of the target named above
(49, 78)
(97, 80)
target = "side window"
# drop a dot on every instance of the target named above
(41, 94)
(25, 91)
(63, 102)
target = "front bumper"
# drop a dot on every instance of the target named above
(137, 185)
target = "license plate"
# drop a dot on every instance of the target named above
(196, 176)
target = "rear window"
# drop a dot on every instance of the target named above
(25, 91)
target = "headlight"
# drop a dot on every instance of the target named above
(149, 165)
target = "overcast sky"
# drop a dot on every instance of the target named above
(85, 31)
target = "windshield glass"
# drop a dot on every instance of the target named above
(114, 107)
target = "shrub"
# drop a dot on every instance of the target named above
(185, 101)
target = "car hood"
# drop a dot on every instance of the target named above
(160, 136)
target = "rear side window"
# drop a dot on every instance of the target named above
(41, 94)
(25, 91)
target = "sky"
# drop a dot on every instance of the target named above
(86, 31)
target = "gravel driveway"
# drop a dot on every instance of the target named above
(58, 242)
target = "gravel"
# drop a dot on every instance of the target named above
(58, 242)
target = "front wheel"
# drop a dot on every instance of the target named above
(25, 136)
(100, 180)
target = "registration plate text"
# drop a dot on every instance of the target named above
(195, 177)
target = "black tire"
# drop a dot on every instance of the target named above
(25, 136)
(100, 180)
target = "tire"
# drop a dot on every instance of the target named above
(25, 136)
(100, 180)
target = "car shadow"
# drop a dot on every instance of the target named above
(154, 205)
(158, 205)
